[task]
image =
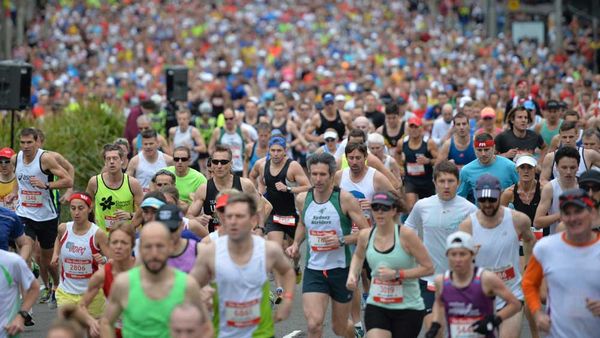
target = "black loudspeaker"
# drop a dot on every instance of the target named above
(177, 83)
(15, 85)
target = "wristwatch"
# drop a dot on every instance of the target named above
(289, 189)
(342, 241)
(47, 187)
(25, 315)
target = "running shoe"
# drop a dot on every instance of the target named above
(363, 300)
(29, 321)
(52, 302)
(45, 295)
(358, 332)
(274, 298)
(35, 268)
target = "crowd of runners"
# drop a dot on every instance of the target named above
(443, 184)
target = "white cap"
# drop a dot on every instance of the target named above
(340, 97)
(285, 85)
(330, 134)
(460, 240)
(525, 159)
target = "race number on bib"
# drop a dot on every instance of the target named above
(242, 314)
(415, 169)
(78, 268)
(461, 327)
(317, 241)
(289, 221)
(110, 221)
(506, 273)
(32, 199)
(387, 292)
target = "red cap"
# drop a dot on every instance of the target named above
(415, 120)
(488, 112)
(7, 152)
(221, 201)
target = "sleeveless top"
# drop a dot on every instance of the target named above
(465, 306)
(76, 259)
(235, 141)
(185, 260)
(499, 252)
(185, 139)
(284, 209)
(461, 157)
(208, 207)
(138, 321)
(392, 294)
(107, 201)
(421, 173)
(529, 209)
(242, 307)
(392, 141)
(554, 207)
(5, 189)
(108, 279)
(322, 219)
(582, 164)
(253, 157)
(363, 190)
(146, 170)
(34, 203)
(205, 128)
(337, 124)
(548, 134)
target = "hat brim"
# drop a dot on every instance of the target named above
(383, 202)
(579, 203)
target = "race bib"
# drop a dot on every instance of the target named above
(317, 242)
(77, 268)
(284, 220)
(242, 314)
(387, 292)
(461, 327)
(415, 169)
(506, 273)
(32, 199)
(110, 221)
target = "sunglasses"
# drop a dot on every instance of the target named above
(229, 118)
(381, 207)
(329, 103)
(221, 162)
(160, 185)
(4, 162)
(330, 139)
(586, 187)
(488, 118)
(181, 159)
(487, 200)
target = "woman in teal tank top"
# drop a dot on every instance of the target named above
(398, 259)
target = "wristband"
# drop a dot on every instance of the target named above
(104, 260)
(400, 274)
(288, 295)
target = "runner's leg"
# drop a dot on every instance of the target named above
(340, 322)
(315, 305)
(511, 327)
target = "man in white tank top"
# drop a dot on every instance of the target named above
(496, 231)
(145, 164)
(184, 135)
(241, 275)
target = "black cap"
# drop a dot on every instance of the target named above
(590, 176)
(552, 104)
(384, 198)
(170, 215)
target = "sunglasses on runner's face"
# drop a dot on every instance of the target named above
(585, 186)
(229, 118)
(487, 200)
(381, 207)
(4, 162)
(181, 159)
(222, 162)
(329, 139)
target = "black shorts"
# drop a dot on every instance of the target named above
(427, 295)
(331, 282)
(45, 232)
(290, 231)
(401, 323)
(423, 190)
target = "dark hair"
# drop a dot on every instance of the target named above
(399, 201)
(183, 148)
(156, 194)
(149, 133)
(263, 126)
(29, 132)
(164, 172)
(222, 148)
(460, 115)
(350, 147)
(392, 109)
(323, 158)
(566, 152)
(483, 137)
(567, 125)
(445, 167)
(511, 115)
(571, 113)
(112, 147)
(357, 133)
(244, 197)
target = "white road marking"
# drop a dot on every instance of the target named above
(293, 334)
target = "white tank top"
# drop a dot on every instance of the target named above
(240, 289)
(499, 252)
(34, 203)
(184, 139)
(554, 208)
(363, 190)
(76, 259)
(145, 170)
(236, 143)
(582, 165)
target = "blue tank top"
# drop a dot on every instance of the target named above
(461, 157)
(253, 158)
(185, 261)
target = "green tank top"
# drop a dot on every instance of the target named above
(107, 201)
(548, 134)
(394, 295)
(145, 317)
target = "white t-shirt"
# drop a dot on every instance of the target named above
(435, 219)
(14, 273)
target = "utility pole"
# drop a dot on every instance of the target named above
(491, 18)
(558, 25)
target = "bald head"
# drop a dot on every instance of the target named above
(155, 246)
(188, 321)
(154, 230)
(362, 123)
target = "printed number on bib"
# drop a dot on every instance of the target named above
(110, 221)
(317, 240)
(242, 314)
(77, 268)
(32, 199)
(461, 327)
(387, 291)
(506, 273)
(284, 220)
(415, 169)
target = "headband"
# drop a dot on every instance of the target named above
(277, 140)
(82, 197)
(484, 144)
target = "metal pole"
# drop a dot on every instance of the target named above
(12, 129)
(595, 37)
(492, 19)
(558, 25)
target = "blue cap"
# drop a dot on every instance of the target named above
(529, 105)
(152, 202)
(327, 98)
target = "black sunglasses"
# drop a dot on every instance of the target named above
(181, 159)
(487, 200)
(329, 139)
(4, 161)
(585, 186)
(381, 207)
(222, 162)
(229, 118)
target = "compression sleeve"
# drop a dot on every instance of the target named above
(532, 279)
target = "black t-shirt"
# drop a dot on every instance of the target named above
(507, 140)
(377, 117)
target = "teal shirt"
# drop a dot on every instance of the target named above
(502, 168)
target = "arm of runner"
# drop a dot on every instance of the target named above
(546, 169)
(101, 240)
(247, 155)
(352, 208)
(433, 149)
(466, 225)
(94, 285)
(507, 196)
(542, 220)
(202, 268)
(114, 306)
(416, 248)
(381, 183)
(443, 152)
(92, 187)
(200, 146)
(523, 224)
(374, 162)
(282, 266)
(198, 201)
(132, 165)
(358, 259)
(198, 297)
(294, 249)
(532, 281)
(495, 286)
(138, 196)
(64, 180)
(213, 140)
(62, 161)
(298, 176)
(437, 310)
(315, 122)
(62, 227)
(25, 245)
(249, 188)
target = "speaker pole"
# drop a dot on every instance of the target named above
(12, 129)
